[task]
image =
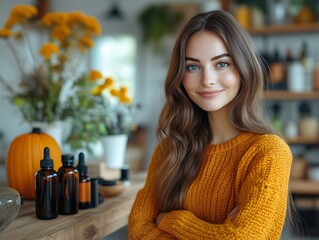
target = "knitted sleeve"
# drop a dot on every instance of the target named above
(142, 218)
(262, 201)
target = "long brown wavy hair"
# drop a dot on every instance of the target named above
(184, 127)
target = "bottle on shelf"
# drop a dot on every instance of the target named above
(68, 186)
(287, 62)
(46, 188)
(84, 184)
(308, 123)
(295, 76)
(277, 11)
(307, 62)
(277, 72)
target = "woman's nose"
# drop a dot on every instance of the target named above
(209, 77)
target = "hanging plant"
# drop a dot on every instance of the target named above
(158, 21)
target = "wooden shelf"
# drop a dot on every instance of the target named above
(302, 140)
(286, 95)
(285, 29)
(304, 187)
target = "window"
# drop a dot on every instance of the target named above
(115, 56)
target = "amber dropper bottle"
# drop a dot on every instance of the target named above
(46, 189)
(68, 186)
(84, 184)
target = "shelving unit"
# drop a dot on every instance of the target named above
(285, 29)
(286, 95)
(302, 140)
(305, 191)
(304, 186)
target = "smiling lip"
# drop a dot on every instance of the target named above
(209, 94)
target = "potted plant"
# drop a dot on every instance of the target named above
(158, 21)
(45, 71)
(101, 109)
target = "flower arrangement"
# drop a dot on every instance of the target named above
(99, 107)
(45, 74)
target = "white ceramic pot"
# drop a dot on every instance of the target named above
(54, 129)
(114, 147)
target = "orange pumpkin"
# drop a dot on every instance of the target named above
(23, 160)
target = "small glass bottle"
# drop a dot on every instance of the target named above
(308, 64)
(46, 189)
(68, 186)
(84, 184)
(296, 77)
(308, 123)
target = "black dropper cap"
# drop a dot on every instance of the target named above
(67, 158)
(46, 162)
(81, 165)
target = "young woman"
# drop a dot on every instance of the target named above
(219, 171)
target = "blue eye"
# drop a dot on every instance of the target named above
(192, 68)
(222, 65)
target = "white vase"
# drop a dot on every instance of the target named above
(54, 129)
(97, 153)
(114, 147)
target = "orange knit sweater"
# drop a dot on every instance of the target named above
(250, 171)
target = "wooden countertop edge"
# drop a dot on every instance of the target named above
(93, 223)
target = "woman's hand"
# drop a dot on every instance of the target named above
(159, 217)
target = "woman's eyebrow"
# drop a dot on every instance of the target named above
(212, 59)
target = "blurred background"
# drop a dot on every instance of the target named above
(135, 46)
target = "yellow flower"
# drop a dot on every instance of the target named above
(95, 75)
(61, 32)
(123, 98)
(97, 90)
(68, 35)
(93, 25)
(5, 32)
(11, 21)
(55, 18)
(108, 82)
(48, 49)
(115, 92)
(22, 13)
(123, 90)
(121, 95)
(86, 42)
(77, 17)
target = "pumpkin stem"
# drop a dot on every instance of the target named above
(36, 130)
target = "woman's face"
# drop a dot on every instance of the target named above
(210, 78)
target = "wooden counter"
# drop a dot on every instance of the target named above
(93, 223)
